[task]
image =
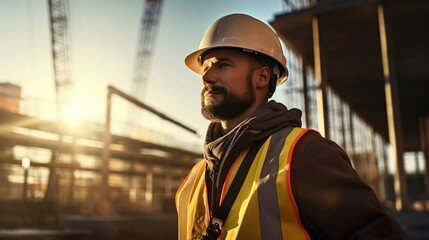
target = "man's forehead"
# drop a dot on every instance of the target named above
(223, 54)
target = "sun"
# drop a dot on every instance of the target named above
(76, 111)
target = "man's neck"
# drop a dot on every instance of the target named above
(228, 125)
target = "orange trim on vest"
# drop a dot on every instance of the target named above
(186, 179)
(288, 182)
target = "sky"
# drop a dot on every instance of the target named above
(103, 45)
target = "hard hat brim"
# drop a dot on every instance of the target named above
(193, 62)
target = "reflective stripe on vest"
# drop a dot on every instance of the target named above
(264, 208)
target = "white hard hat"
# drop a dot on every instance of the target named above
(244, 32)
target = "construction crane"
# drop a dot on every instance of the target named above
(148, 29)
(58, 12)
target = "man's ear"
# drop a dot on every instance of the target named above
(264, 77)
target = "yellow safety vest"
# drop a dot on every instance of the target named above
(265, 207)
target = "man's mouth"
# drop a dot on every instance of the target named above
(209, 91)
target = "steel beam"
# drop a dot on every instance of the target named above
(322, 112)
(392, 106)
(140, 104)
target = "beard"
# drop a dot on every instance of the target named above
(231, 106)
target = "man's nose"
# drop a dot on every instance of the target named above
(208, 77)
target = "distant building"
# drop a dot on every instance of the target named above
(10, 96)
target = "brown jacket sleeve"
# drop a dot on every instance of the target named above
(333, 202)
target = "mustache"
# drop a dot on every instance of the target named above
(213, 89)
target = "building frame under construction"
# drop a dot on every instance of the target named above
(135, 177)
(359, 72)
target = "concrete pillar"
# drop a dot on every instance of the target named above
(392, 106)
(322, 112)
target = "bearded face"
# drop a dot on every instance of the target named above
(230, 105)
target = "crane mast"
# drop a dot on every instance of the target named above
(58, 12)
(148, 29)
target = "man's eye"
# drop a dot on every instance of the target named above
(222, 65)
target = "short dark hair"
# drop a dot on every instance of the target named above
(270, 63)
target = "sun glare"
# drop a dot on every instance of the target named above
(76, 111)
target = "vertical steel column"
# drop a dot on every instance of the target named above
(149, 185)
(305, 92)
(386, 174)
(424, 133)
(106, 150)
(320, 81)
(392, 106)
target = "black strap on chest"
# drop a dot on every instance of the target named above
(219, 215)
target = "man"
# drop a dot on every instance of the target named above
(264, 177)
